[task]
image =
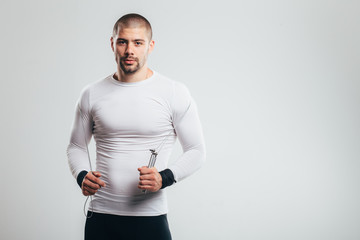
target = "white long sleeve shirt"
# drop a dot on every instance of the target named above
(126, 120)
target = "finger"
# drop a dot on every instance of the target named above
(94, 177)
(146, 170)
(86, 193)
(149, 188)
(142, 169)
(96, 173)
(147, 177)
(144, 186)
(146, 183)
(89, 190)
(91, 185)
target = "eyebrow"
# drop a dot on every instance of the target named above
(135, 40)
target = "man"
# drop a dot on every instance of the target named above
(128, 113)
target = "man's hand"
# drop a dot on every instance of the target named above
(150, 179)
(91, 183)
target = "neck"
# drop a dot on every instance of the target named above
(140, 75)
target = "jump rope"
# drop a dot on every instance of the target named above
(154, 153)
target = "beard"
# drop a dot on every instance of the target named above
(129, 69)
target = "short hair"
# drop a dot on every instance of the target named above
(132, 20)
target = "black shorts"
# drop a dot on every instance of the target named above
(110, 227)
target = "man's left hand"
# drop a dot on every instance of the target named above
(150, 179)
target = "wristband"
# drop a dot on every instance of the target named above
(80, 177)
(167, 178)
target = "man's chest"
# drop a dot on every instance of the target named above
(131, 115)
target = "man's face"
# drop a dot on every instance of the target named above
(131, 47)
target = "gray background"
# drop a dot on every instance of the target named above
(278, 90)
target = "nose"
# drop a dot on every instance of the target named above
(129, 49)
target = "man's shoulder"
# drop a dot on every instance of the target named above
(177, 92)
(96, 88)
(170, 82)
(99, 82)
(162, 78)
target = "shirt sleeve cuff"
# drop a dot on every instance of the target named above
(167, 178)
(80, 177)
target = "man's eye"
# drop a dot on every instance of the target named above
(121, 42)
(138, 43)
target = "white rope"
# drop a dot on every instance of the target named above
(88, 154)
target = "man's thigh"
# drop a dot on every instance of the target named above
(156, 227)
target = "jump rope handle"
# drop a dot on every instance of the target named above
(151, 164)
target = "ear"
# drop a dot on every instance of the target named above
(112, 43)
(151, 46)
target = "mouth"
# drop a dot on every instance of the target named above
(129, 61)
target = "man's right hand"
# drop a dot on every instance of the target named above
(91, 183)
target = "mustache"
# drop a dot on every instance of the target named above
(129, 58)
